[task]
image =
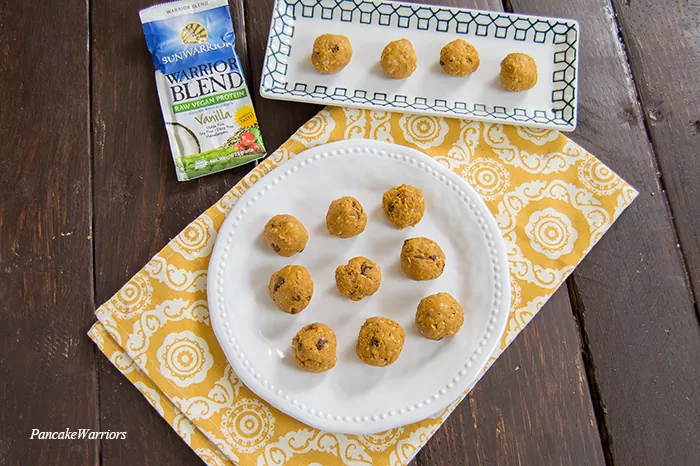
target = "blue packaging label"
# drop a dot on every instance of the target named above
(204, 97)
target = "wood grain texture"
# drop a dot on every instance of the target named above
(527, 401)
(139, 205)
(663, 44)
(278, 119)
(47, 374)
(631, 291)
(532, 407)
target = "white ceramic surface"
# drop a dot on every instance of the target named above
(289, 75)
(354, 397)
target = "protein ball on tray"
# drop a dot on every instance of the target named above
(518, 72)
(331, 53)
(459, 58)
(399, 59)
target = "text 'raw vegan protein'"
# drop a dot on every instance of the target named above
(203, 95)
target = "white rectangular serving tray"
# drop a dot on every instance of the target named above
(289, 75)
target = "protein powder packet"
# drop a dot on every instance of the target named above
(203, 95)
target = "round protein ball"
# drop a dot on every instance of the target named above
(331, 53)
(459, 58)
(358, 279)
(404, 205)
(291, 288)
(380, 341)
(422, 259)
(346, 217)
(285, 234)
(518, 72)
(439, 316)
(399, 59)
(314, 348)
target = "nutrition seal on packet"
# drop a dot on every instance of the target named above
(203, 95)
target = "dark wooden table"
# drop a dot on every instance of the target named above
(607, 373)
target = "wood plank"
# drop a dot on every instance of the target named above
(47, 363)
(278, 119)
(631, 291)
(661, 40)
(139, 205)
(532, 407)
(529, 402)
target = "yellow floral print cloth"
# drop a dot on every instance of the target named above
(552, 200)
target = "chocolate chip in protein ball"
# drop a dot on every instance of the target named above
(278, 282)
(365, 268)
(321, 343)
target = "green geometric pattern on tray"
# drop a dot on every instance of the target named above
(486, 24)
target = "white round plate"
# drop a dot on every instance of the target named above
(353, 397)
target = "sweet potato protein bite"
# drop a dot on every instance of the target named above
(399, 59)
(358, 279)
(404, 205)
(459, 58)
(314, 348)
(346, 217)
(291, 288)
(439, 316)
(518, 72)
(285, 234)
(422, 259)
(380, 341)
(331, 53)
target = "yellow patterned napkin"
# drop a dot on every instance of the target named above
(552, 200)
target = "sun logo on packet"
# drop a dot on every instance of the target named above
(194, 33)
